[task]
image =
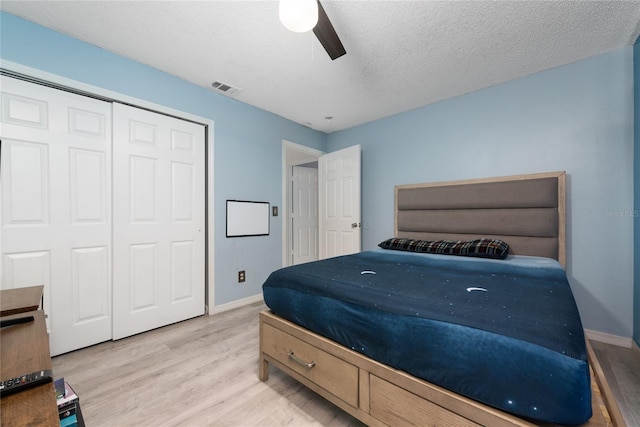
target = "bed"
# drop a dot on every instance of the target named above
(396, 337)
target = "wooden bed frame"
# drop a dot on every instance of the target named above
(379, 395)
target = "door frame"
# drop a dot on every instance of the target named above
(38, 76)
(293, 154)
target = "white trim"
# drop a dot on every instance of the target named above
(286, 147)
(211, 224)
(98, 91)
(608, 338)
(236, 304)
(119, 97)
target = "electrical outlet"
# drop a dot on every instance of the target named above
(241, 276)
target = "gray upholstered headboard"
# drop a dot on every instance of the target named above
(526, 211)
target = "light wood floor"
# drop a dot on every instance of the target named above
(622, 369)
(204, 372)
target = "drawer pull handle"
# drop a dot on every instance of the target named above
(304, 363)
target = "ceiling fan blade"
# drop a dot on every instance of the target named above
(327, 35)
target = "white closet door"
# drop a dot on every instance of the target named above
(158, 220)
(56, 225)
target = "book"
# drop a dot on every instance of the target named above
(71, 421)
(59, 387)
(67, 407)
(70, 396)
(67, 410)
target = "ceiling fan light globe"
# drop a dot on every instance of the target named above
(298, 15)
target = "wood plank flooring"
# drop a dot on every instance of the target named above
(201, 372)
(204, 372)
(622, 369)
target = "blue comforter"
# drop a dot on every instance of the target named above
(504, 332)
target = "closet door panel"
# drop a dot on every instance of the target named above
(23, 269)
(23, 111)
(88, 170)
(25, 183)
(56, 225)
(90, 290)
(158, 220)
(182, 265)
(84, 123)
(143, 198)
(182, 192)
(143, 280)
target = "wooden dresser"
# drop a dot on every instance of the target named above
(24, 348)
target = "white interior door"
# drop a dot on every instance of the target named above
(56, 225)
(158, 221)
(304, 214)
(339, 202)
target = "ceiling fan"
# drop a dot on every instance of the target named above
(303, 15)
(327, 35)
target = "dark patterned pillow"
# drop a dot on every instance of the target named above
(484, 248)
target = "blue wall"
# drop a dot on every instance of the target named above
(577, 118)
(636, 168)
(247, 140)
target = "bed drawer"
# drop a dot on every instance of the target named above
(333, 374)
(398, 407)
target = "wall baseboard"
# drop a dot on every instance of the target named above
(235, 304)
(609, 339)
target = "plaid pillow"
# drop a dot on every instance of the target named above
(484, 248)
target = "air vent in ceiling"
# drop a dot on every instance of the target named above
(224, 88)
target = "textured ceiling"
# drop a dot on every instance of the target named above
(400, 54)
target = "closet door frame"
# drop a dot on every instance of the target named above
(38, 76)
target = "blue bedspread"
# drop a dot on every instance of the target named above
(504, 332)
